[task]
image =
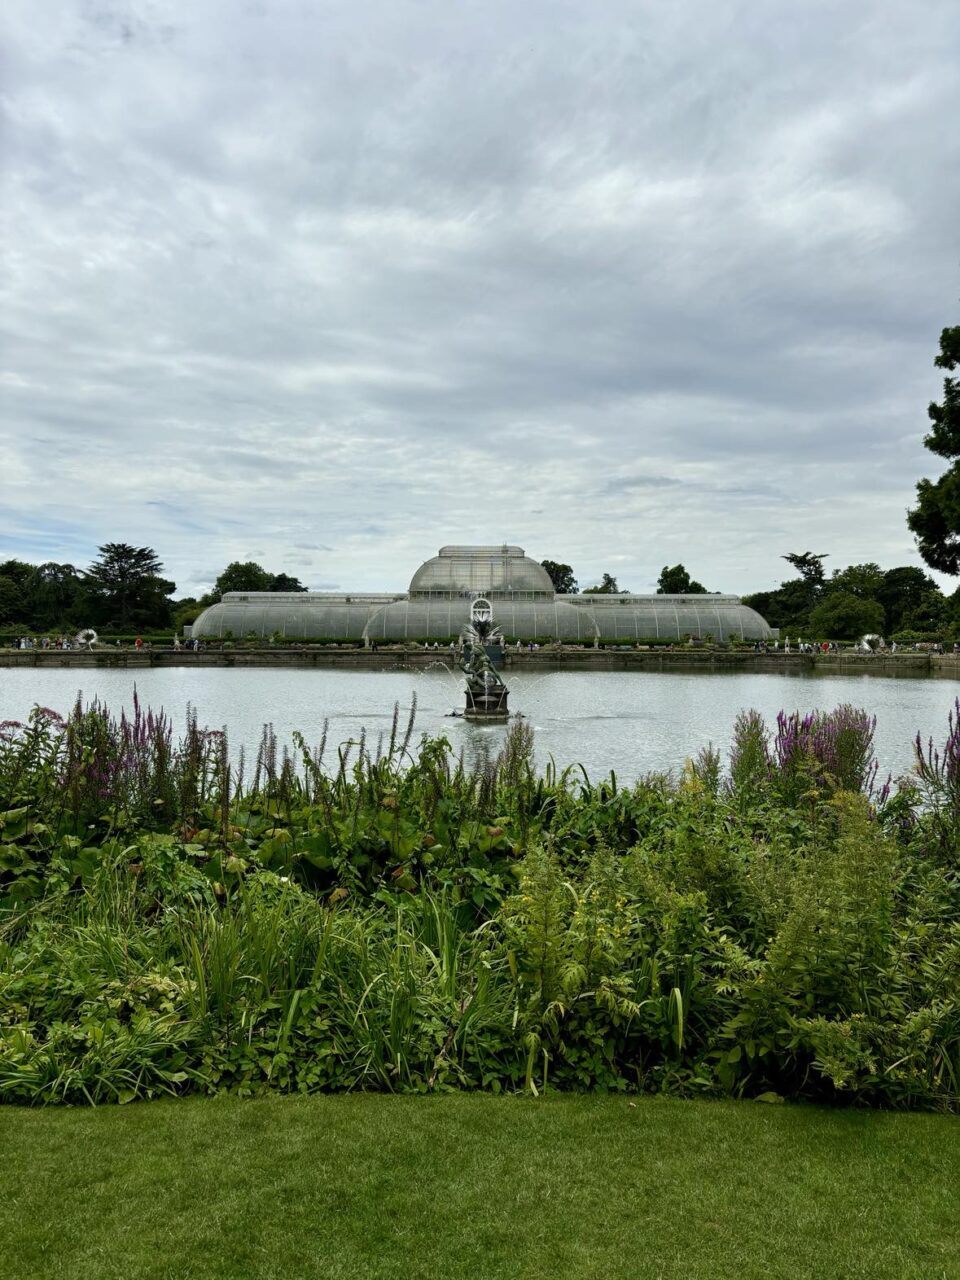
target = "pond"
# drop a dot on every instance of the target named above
(631, 722)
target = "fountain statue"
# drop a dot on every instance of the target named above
(486, 694)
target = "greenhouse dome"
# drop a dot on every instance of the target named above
(437, 607)
(494, 572)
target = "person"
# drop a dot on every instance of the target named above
(176, 642)
(139, 642)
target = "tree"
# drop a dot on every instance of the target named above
(808, 565)
(677, 582)
(608, 587)
(843, 616)
(283, 582)
(863, 580)
(11, 600)
(787, 608)
(935, 520)
(52, 593)
(561, 575)
(124, 587)
(790, 605)
(17, 571)
(186, 611)
(907, 594)
(800, 595)
(953, 614)
(243, 576)
(930, 613)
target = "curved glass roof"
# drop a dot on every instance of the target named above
(488, 571)
(635, 618)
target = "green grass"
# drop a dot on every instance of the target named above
(467, 1185)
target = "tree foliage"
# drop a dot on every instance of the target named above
(244, 575)
(284, 582)
(54, 591)
(844, 616)
(247, 575)
(788, 607)
(11, 600)
(17, 571)
(907, 599)
(561, 575)
(808, 564)
(792, 605)
(935, 520)
(677, 582)
(607, 587)
(863, 580)
(125, 588)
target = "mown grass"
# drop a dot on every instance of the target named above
(471, 1186)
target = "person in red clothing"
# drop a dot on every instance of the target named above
(139, 642)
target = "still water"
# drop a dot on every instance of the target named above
(632, 722)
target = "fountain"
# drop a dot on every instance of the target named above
(486, 694)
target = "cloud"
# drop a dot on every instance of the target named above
(660, 284)
(633, 483)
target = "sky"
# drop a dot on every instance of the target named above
(330, 285)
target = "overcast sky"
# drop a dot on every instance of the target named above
(327, 285)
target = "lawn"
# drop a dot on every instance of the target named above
(470, 1185)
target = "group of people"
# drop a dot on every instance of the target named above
(869, 644)
(46, 642)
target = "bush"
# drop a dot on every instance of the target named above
(393, 920)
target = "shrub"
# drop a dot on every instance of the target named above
(388, 918)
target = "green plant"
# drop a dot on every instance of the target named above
(386, 917)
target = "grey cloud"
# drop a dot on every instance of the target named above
(381, 277)
(632, 484)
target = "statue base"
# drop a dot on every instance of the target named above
(489, 704)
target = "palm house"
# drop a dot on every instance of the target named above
(437, 607)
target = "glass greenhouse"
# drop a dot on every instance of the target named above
(437, 607)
